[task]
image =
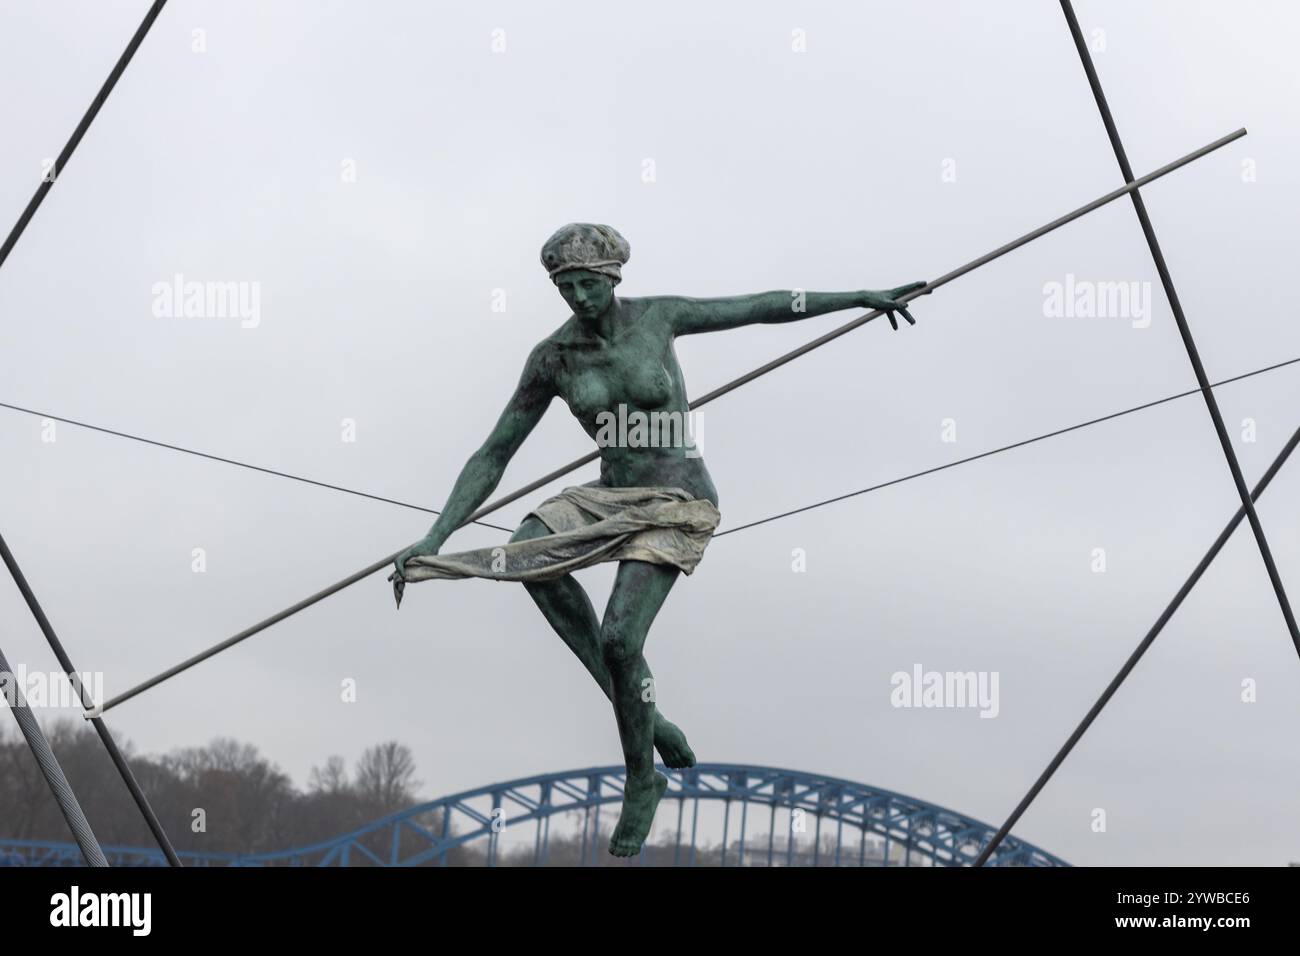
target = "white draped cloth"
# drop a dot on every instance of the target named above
(588, 524)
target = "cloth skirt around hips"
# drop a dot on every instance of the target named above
(589, 524)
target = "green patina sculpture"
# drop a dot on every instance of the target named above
(617, 353)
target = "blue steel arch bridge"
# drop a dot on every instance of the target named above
(770, 817)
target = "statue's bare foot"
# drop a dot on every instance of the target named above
(639, 803)
(672, 746)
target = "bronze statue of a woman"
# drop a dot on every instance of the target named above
(653, 507)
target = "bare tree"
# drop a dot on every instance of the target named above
(386, 776)
(331, 778)
(223, 797)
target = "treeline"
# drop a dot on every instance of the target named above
(221, 798)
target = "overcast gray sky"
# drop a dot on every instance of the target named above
(904, 140)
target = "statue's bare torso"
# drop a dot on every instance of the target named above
(634, 371)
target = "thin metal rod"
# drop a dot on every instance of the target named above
(1166, 280)
(970, 267)
(704, 399)
(89, 704)
(1136, 656)
(89, 117)
(53, 773)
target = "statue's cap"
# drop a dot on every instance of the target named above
(586, 245)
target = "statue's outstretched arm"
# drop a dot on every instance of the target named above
(713, 315)
(482, 473)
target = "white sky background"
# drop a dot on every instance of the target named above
(775, 169)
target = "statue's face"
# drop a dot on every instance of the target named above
(587, 293)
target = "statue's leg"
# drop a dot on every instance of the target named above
(568, 609)
(639, 592)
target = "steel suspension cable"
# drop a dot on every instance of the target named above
(87, 118)
(232, 461)
(997, 451)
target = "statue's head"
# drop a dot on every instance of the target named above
(585, 261)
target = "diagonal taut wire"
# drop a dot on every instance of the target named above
(708, 397)
(1136, 656)
(1003, 448)
(1183, 328)
(232, 461)
(89, 117)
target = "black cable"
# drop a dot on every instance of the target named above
(236, 463)
(89, 117)
(998, 451)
